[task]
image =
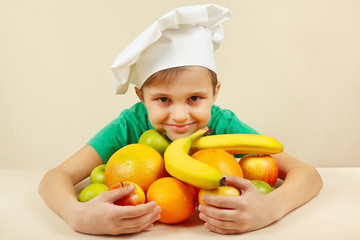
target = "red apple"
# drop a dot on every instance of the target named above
(135, 198)
(260, 167)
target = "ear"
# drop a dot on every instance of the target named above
(217, 88)
(139, 94)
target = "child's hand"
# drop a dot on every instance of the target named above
(101, 216)
(227, 215)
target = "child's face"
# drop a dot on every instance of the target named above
(182, 106)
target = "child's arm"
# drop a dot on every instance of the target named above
(253, 210)
(99, 215)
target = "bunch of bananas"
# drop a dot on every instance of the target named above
(179, 164)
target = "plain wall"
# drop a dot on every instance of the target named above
(290, 69)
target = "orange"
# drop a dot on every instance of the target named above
(223, 161)
(176, 199)
(137, 163)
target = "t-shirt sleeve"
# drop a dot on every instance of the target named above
(125, 129)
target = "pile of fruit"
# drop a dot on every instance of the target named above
(177, 175)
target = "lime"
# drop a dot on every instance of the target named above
(262, 186)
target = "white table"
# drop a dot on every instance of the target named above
(333, 214)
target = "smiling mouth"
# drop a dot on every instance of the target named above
(180, 128)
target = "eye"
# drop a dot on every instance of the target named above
(163, 99)
(194, 98)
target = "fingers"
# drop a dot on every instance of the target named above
(222, 224)
(116, 194)
(224, 221)
(131, 219)
(240, 183)
(228, 201)
(215, 213)
(118, 229)
(139, 210)
(225, 202)
(144, 222)
(218, 226)
(227, 215)
(216, 229)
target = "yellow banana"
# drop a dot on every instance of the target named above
(239, 144)
(180, 165)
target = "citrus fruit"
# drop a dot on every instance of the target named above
(154, 139)
(137, 163)
(175, 198)
(219, 191)
(223, 161)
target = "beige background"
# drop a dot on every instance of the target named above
(290, 69)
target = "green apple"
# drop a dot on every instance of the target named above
(262, 186)
(155, 139)
(92, 191)
(98, 174)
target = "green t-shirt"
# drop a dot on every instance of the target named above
(131, 123)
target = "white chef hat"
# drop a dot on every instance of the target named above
(183, 37)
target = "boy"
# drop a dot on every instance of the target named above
(173, 68)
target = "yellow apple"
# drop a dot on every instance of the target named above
(91, 191)
(98, 174)
(219, 191)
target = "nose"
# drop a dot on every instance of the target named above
(179, 113)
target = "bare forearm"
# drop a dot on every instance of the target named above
(57, 191)
(301, 183)
(57, 186)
